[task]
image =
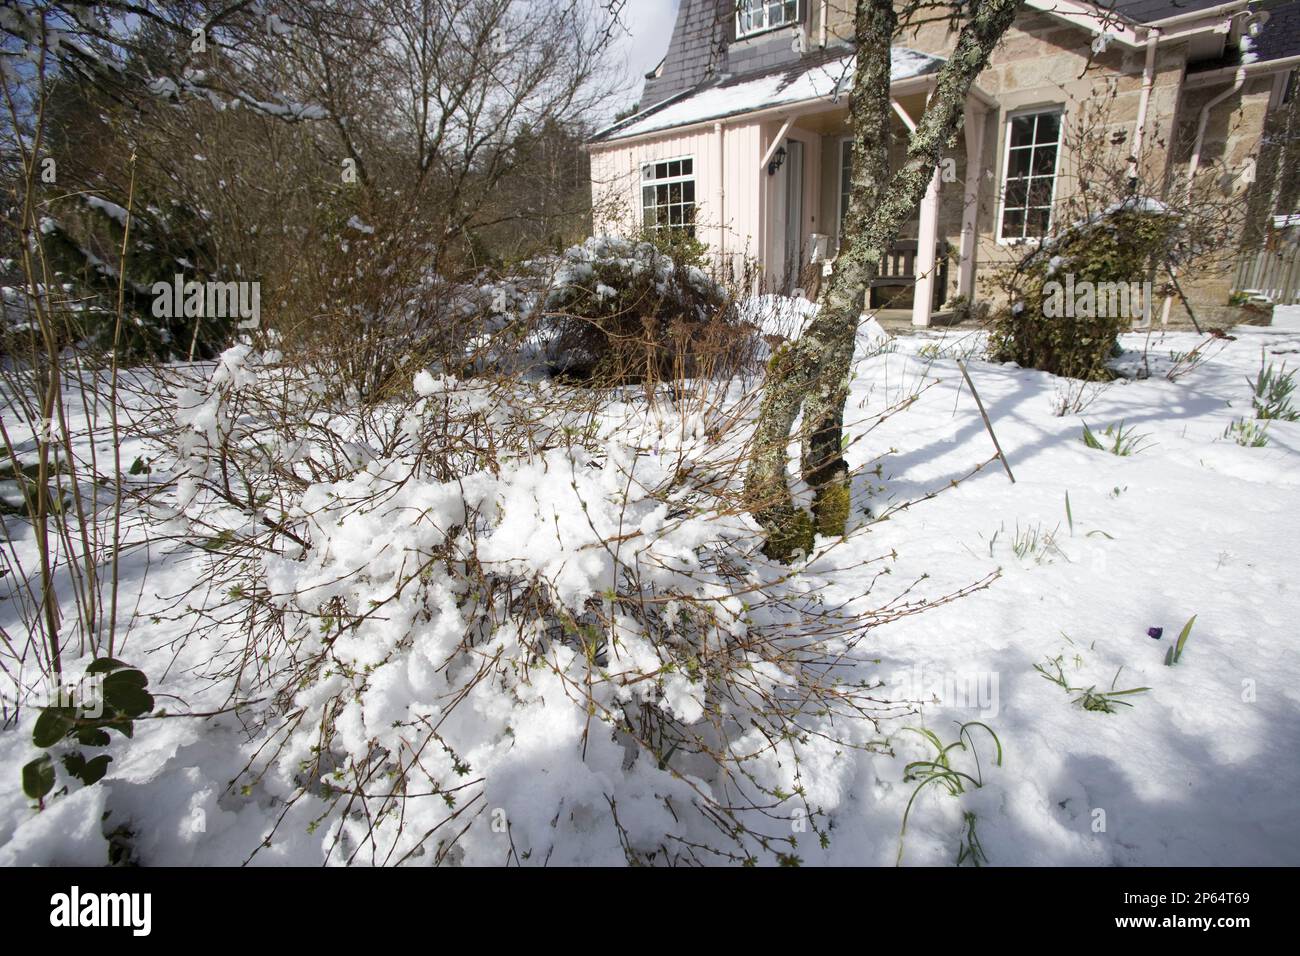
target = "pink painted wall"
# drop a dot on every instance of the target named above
(735, 224)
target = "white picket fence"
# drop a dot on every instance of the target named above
(1272, 273)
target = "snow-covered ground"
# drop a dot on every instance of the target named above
(1201, 769)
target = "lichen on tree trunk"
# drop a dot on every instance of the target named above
(813, 373)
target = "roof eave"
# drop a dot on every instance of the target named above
(821, 104)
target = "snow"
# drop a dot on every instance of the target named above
(111, 209)
(827, 80)
(1199, 770)
(1286, 317)
(289, 111)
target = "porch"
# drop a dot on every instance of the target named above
(759, 168)
(805, 170)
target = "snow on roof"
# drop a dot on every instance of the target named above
(824, 80)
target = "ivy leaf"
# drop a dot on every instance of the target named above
(93, 737)
(127, 699)
(129, 677)
(87, 771)
(38, 777)
(103, 665)
(74, 763)
(53, 725)
(95, 769)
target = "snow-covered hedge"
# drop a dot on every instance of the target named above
(626, 309)
(1072, 295)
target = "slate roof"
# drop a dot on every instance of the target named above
(1281, 35)
(821, 76)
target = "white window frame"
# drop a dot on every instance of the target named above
(642, 182)
(763, 6)
(1057, 108)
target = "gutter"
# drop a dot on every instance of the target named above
(1223, 17)
(1253, 68)
(1221, 9)
(639, 114)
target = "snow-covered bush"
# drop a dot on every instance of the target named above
(500, 621)
(1044, 325)
(628, 309)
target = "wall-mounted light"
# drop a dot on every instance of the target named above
(776, 162)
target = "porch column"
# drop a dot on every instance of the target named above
(926, 237)
(974, 120)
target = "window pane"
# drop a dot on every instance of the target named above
(688, 190)
(1038, 222)
(1013, 224)
(688, 166)
(688, 213)
(1044, 160)
(1049, 128)
(661, 170)
(1022, 131)
(1040, 191)
(1017, 190)
(1018, 162)
(647, 197)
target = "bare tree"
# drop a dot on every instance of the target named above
(343, 153)
(813, 373)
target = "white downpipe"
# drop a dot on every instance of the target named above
(1148, 81)
(823, 29)
(720, 169)
(1195, 162)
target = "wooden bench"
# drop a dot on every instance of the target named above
(898, 268)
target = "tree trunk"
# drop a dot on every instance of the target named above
(813, 373)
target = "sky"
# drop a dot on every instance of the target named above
(649, 25)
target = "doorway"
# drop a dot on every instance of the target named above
(788, 217)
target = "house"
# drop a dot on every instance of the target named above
(741, 137)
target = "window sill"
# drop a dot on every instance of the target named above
(1026, 241)
(753, 34)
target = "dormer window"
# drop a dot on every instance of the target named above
(756, 16)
